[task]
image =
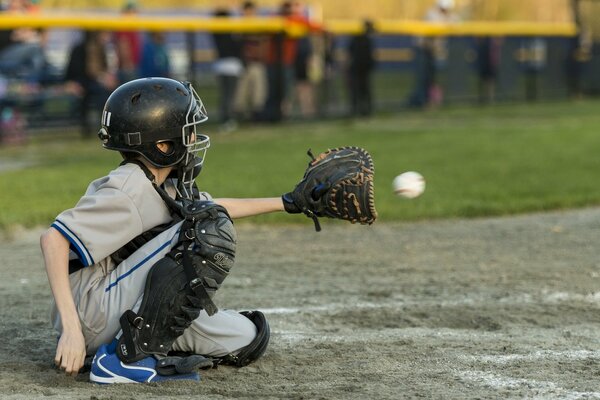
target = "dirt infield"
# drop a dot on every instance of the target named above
(489, 308)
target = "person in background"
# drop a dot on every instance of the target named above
(252, 86)
(324, 72)
(155, 59)
(128, 45)
(26, 60)
(10, 37)
(22, 49)
(280, 62)
(488, 61)
(228, 68)
(432, 53)
(280, 58)
(303, 85)
(89, 78)
(536, 51)
(360, 67)
(579, 54)
(22, 58)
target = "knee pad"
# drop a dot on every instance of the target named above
(257, 347)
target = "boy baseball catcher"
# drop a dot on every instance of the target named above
(134, 266)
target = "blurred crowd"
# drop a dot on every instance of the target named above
(263, 77)
(89, 74)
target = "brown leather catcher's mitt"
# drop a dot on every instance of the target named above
(337, 184)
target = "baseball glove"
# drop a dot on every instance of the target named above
(337, 184)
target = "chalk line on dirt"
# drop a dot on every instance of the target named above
(518, 299)
(536, 356)
(546, 390)
(385, 334)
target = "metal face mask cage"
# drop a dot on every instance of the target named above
(195, 143)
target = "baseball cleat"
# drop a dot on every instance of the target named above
(108, 368)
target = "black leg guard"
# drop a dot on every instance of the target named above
(257, 347)
(168, 308)
(180, 285)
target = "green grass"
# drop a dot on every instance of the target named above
(477, 162)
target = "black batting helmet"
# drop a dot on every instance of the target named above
(143, 112)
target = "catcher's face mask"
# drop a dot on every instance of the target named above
(196, 144)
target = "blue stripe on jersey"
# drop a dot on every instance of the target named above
(84, 255)
(138, 265)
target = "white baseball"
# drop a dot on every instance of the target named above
(409, 184)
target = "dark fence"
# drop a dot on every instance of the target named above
(466, 69)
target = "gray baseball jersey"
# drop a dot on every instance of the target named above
(114, 210)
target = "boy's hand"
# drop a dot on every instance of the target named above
(70, 351)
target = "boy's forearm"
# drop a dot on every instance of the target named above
(239, 208)
(55, 249)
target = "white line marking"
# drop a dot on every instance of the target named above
(536, 356)
(517, 299)
(543, 389)
(295, 335)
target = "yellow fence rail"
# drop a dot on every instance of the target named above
(274, 24)
(419, 28)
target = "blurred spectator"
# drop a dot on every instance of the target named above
(23, 67)
(535, 51)
(8, 37)
(280, 62)
(21, 50)
(26, 59)
(361, 64)
(128, 45)
(488, 61)
(431, 55)
(155, 59)
(228, 68)
(252, 86)
(326, 94)
(303, 84)
(88, 76)
(580, 53)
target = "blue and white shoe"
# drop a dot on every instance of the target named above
(108, 368)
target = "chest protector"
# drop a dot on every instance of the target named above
(182, 284)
